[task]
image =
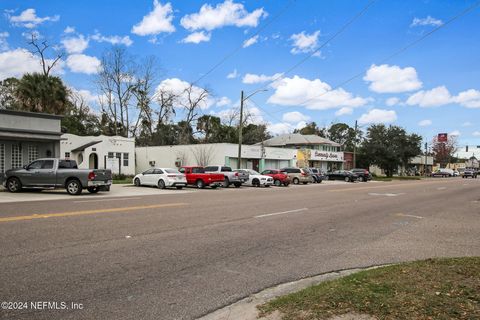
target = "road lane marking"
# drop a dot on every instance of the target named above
(408, 215)
(107, 199)
(279, 213)
(385, 194)
(441, 188)
(86, 212)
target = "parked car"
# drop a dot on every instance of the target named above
(345, 175)
(256, 179)
(161, 177)
(51, 173)
(443, 173)
(230, 177)
(363, 174)
(279, 178)
(298, 175)
(316, 174)
(196, 176)
(469, 173)
(456, 173)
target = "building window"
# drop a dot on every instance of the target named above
(67, 155)
(2, 158)
(110, 155)
(17, 160)
(32, 153)
(125, 159)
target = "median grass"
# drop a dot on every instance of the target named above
(123, 181)
(430, 289)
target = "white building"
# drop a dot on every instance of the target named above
(254, 157)
(100, 152)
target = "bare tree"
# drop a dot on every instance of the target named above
(203, 154)
(40, 49)
(192, 101)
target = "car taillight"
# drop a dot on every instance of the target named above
(304, 174)
(91, 175)
(236, 174)
(366, 172)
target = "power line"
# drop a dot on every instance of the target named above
(336, 34)
(229, 55)
(396, 53)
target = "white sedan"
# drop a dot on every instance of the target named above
(161, 177)
(256, 179)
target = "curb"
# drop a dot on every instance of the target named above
(246, 309)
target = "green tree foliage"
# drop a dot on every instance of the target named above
(40, 93)
(254, 133)
(344, 134)
(8, 98)
(311, 128)
(389, 147)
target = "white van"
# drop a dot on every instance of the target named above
(444, 173)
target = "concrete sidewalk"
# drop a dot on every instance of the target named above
(117, 190)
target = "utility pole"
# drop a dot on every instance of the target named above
(240, 129)
(425, 166)
(355, 146)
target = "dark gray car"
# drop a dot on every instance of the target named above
(50, 173)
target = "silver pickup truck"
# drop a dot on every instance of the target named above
(231, 177)
(50, 173)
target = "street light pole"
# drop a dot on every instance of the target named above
(355, 146)
(240, 132)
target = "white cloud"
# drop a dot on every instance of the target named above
(197, 37)
(15, 63)
(75, 44)
(82, 63)
(29, 19)
(469, 98)
(223, 14)
(392, 79)
(392, 101)
(232, 75)
(125, 40)
(294, 117)
(178, 88)
(344, 111)
(435, 97)
(425, 123)
(280, 128)
(157, 21)
(378, 116)
(304, 43)
(3, 41)
(251, 78)
(87, 95)
(69, 29)
(223, 101)
(247, 43)
(312, 94)
(476, 133)
(428, 21)
(455, 133)
(466, 124)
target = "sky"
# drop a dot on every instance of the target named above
(323, 61)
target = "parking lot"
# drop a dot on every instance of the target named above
(145, 253)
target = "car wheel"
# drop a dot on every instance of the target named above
(256, 183)
(200, 184)
(361, 179)
(286, 184)
(74, 187)
(237, 184)
(347, 179)
(93, 189)
(296, 181)
(14, 185)
(214, 186)
(226, 183)
(136, 182)
(277, 183)
(179, 187)
(161, 184)
(327, 178)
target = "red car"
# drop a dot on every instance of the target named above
(279, 177)
(196, 176)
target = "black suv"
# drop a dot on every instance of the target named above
(363, 174)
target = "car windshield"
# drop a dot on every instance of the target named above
(172, 171)
(250, 171)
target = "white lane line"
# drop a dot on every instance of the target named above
(409, 215)
(279, 213)
(441, 188)
(108, 199)
(385, 194)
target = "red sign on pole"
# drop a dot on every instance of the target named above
(442, 137)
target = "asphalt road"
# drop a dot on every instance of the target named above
(180, 256)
